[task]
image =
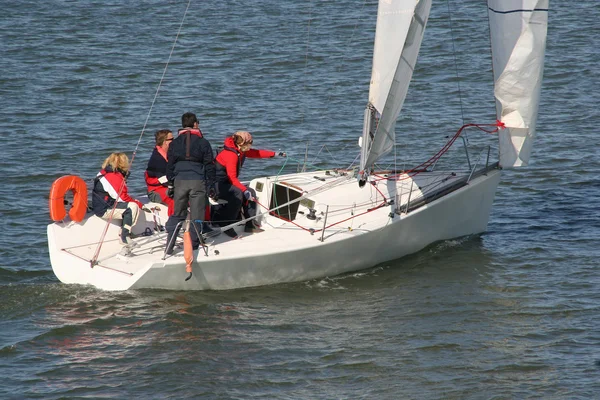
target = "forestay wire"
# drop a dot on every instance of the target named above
(462, 112)
(94, 260)
(162, 78)
(341, 65)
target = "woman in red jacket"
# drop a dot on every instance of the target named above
(110, 187)
(228, 164)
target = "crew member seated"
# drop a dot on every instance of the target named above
(109, 188)
(156, 172)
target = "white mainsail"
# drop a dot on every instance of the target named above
(398, 36)
(518, 40)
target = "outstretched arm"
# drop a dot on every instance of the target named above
(255, 153)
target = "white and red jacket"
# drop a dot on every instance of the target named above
(107, 185)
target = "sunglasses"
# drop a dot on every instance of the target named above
(169, 139)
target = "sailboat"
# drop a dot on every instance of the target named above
(329, 222)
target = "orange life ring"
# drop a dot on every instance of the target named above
(57, 198)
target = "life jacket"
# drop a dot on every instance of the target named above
(188, 132)
(221, 170)
(101, 199)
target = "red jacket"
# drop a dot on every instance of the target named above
(106, 191)
(231, 159)
(157, 169)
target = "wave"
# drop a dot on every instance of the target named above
(17, 275)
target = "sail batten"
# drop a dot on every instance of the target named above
(517, 11)
(518, 31)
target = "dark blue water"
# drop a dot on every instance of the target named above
(512, 313)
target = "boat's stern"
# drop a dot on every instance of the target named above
(88, 252)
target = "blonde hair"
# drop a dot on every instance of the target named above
(117, 161)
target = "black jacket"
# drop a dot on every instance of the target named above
(157, 167)
(191, 157)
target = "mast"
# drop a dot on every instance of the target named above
(398, 35)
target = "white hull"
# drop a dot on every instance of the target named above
(285, 252)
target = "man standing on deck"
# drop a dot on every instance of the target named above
(191, 174)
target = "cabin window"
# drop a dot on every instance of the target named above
(283, 194)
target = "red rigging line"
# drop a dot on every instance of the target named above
(423, 166)
(410, 173)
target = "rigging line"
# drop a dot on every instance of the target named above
(352, 163)
(277, 177)
(462, 112)
(317, 155)
(382, 204)
(332, 156)
(340, 65)
(94, 260)
(328, 102)
(395, 156)
(423, 166)
(492, 61)
(306, 55)
(160, 83)
(324, 147)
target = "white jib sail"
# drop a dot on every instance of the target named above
(518, 39)
(398, 36)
